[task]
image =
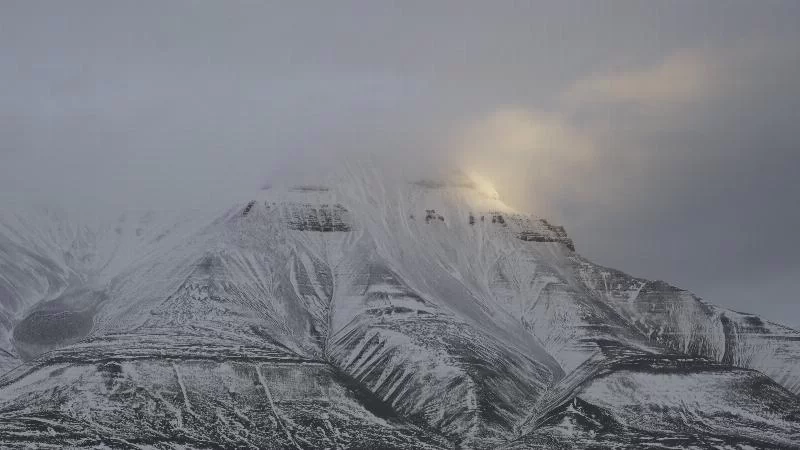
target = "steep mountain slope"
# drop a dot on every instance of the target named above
(367, 312)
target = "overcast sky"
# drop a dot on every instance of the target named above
(663, 135)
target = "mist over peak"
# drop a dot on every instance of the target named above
(426, 225)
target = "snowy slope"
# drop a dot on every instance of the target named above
(365, 310)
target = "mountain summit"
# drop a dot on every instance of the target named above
(365, 312)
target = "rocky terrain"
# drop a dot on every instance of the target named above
(366, 312)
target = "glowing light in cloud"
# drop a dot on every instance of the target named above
(529, 156)
(483, 185)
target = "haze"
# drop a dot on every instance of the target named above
(663, 135)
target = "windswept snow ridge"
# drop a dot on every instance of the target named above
(362, 311)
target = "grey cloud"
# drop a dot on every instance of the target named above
(684, 76)
(708, 200)
(158, 102)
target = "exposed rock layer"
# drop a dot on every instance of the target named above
(363, 313)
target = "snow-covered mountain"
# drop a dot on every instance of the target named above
(366, 312)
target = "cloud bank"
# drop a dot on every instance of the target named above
(679, 78)
(663, 136)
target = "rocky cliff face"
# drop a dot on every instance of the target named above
(364, 313)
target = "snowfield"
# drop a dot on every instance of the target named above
(365, 311)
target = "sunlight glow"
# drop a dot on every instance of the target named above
(483, 185)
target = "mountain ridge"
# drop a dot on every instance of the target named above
(471, 323)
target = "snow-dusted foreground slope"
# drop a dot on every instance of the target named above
(370, 314)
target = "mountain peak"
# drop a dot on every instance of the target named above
(365, 308)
